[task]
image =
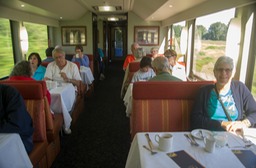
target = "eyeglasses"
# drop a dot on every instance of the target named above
(227, 70)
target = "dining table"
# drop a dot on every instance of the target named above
(234, 154)
(62, 100)
(12, 152)
(128, 100)
(86, 75)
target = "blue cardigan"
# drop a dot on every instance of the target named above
(244, 101)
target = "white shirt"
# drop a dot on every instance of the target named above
(179, 71)
(71, 70)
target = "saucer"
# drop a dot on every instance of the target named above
(196, 133)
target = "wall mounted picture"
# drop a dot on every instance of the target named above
(146, 35)
(73, 35)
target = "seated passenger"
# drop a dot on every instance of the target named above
(161, 67)
(23, 71)
(61, 69)
(227, 105)
(145, 72)
(38, 70)
(101, 63)
(177, 69)
(154, 52)
(80, 57)
(14, 117)
(48, 53)
(131, 57)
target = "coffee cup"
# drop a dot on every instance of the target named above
(210, 143)
(77, 55)
(221, 140)
(164, 141)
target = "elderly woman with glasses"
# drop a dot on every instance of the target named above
(226, 105)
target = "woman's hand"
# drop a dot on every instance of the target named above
(233, 126)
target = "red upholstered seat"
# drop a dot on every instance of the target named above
(46, 128)
(163, 106)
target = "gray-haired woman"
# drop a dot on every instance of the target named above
(226, 105)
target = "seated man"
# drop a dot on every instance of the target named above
(61, 69)
(48, 53)
(14, 117)
(131, 57)
(161, 67)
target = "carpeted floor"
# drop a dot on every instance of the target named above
(100, 138)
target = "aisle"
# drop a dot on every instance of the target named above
(101, 137)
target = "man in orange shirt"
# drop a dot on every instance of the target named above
(131, 57)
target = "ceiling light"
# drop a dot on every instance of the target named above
(113, 19)
(22, 5)
(170, 6)
(107, 8)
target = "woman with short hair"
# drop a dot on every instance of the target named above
(226, 105)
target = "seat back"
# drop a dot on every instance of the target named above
(33, 96)
(45, 64)
(27, 94)
(163, 106)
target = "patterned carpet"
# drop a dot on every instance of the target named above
(100, 138)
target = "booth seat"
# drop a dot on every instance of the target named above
(53, 123)
(163, 106)
(33, 96)
(129, 72)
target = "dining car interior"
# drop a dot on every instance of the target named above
(93, 105)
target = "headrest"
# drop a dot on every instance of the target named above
(26, 82)
(134, 66)
(167, 89)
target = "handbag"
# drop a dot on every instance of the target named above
(224, 108)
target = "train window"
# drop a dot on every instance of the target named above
(6, 51)
(179, 39)
(177, 28)
(210, 42)
(37, 38)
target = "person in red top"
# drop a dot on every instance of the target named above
(131, 57)
(22, 71)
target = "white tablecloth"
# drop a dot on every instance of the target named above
(62, 100)
(12, 152)
(128, 100)
(222, 157)
(86, 75)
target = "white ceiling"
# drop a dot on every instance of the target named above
(150, 10)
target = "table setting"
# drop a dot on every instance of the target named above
(198, 148)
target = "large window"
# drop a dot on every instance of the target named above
(6, 52)
(37, 38)
(210, 42)
(177, 30)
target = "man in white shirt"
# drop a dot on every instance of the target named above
(61, 69)
(176, 69)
